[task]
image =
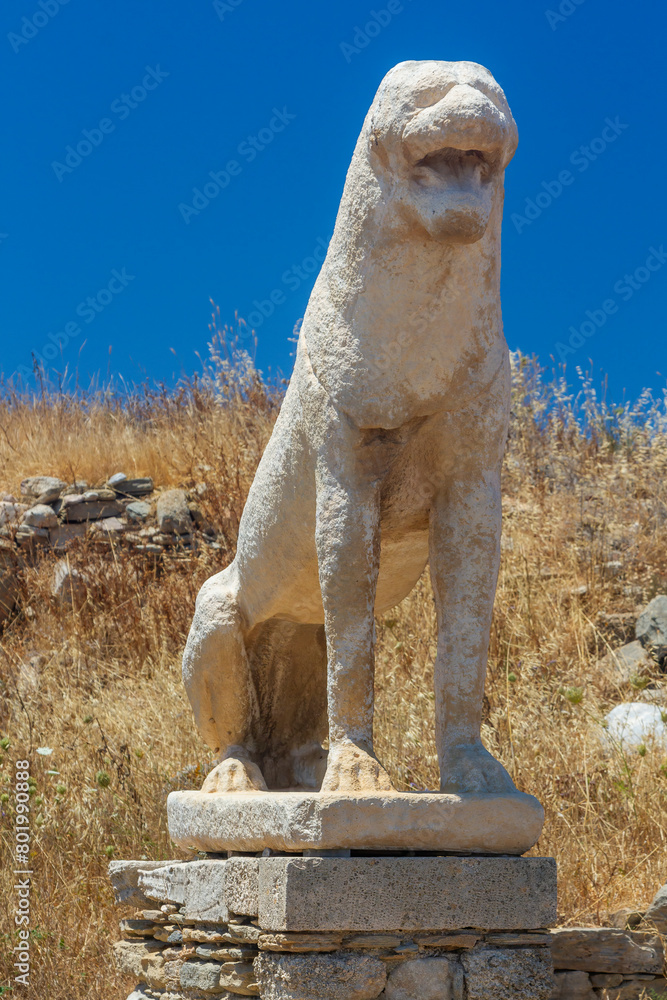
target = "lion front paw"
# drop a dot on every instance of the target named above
(352, 769)
(235, 774)
(471, 768)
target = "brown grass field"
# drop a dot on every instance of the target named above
(585, 484)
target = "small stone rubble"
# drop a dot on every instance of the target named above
(635, 660)
(622, 962)
(52, 515)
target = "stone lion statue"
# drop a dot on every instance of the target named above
(386, 455)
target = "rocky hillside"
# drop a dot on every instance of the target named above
(120, 515)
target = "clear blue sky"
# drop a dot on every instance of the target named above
(170, 92)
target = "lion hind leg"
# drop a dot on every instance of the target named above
(219, 683)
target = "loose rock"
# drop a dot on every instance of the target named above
(226, 954)
(35, 486)
(40, 516)
(634, 989)
(632, 724)
(69, 585)
(137, 928)
(629, 661)
(173, 513)
(651, 627)
(108, 526)
(135, 487)
(64, 534)
(304, 942)
(601, 980)
(49, 496)
(78, 509)
(657, 911)
(10, 512)
(625, 918)
(29, 536)
(138, 510)
(124, 875)
(142, 959)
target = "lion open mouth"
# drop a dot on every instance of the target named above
(454, 166)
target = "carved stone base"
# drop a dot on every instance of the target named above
(337, 928)
(399, 821)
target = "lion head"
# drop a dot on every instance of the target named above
(439, 136)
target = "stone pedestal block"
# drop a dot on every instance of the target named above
(339, 928)
(499, 823)
(404, 893)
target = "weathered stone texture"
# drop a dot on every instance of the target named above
(173, 513)
(142, 959)
(426, 979)
(242, 886)
(166, 883)
(657, 911)
(508, 974)
(197, 886)
(41, 516)
(398, 893)
(200, 975)
(124, 875)
(91, 510)
(205, 892)
(140, 993)
(636, 989)
(601, 949)
(307, 942)
(651, 629)
(319, 977)
(573, 986)
(69, 585)
(502, 823)
(239, 977)
(600, 980)
(36, 486)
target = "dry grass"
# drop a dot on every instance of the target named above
(101, 686)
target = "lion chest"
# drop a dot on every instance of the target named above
(404, 348)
